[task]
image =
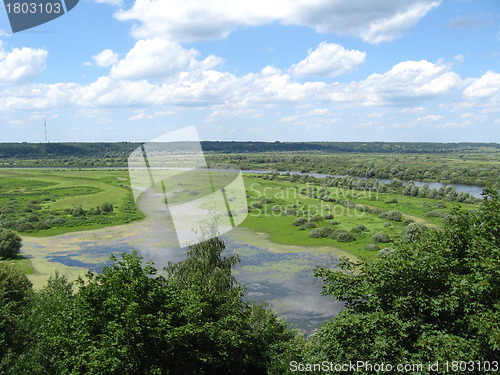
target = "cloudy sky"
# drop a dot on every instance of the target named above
(288, 70)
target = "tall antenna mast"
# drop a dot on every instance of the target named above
(45, 126)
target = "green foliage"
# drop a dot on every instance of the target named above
(392, 215)
(413, 232)
(129, 320)
(381, 237)
(342, 236)
(372, 247)
(320, 232)
(10, 243)
(299, 221)
(435, 299)
(107, 207)
(15, 289)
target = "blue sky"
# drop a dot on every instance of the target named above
(288, 70)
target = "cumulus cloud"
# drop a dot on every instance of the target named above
(329, 60)
(487, 85)
(105, 58)
(407, 82)
(374, 21)
(21, 65)
(159, 57)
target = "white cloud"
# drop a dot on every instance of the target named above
(21, 65)
(374, 21)
(406, 82)
(486, 86)
(158, 57)
(430, 118)
(392, 27)
(329, 60)
(110, 2)
(105, 58)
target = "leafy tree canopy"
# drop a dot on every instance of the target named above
(437, 298)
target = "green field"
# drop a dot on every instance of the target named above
(275, 204)
(46, 202)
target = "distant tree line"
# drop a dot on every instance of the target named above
(123, 149)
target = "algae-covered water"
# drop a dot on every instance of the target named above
(279, 275)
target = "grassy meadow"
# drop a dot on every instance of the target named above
(49, 202)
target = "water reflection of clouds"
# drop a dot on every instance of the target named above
(285, 282)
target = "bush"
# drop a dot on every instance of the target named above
(255, 205)
(266, 201)
(390, 201)
(107, 208)
(413, 232)
(328, 216)
(345, 237)
(299, 221)
(361, 228)
(78, 211)
(372, 247)
(315, 218)
(58, 221)
(290, 212)
(10, 243)
(342, 236)
(385, 251)
(308, 225)
(387, 224)
(436, 213)
(392, 215)
(334, 222)
(320, 232)
(408, 222)
(381, 237)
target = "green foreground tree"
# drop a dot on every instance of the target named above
(10, 244)
(435, 299)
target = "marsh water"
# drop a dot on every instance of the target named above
(278, 275)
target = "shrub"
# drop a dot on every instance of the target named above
(78, 211)
(308, 225)
(381, 237)
(387, 224)
(408, 222)
(385, 251)
(10, 243)
(299, 221)
(107, 208)
(58, 221)
(392, 215)
(315, 218)
(255, 205)
(328, 216)
(334, 222)
(290, 212)
(390, 201)
(413, 232)
(345, 237)
(361, 228)
(436, 213)
(372, 247)
(320, 232)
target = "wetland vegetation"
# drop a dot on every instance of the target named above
(419, 277)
